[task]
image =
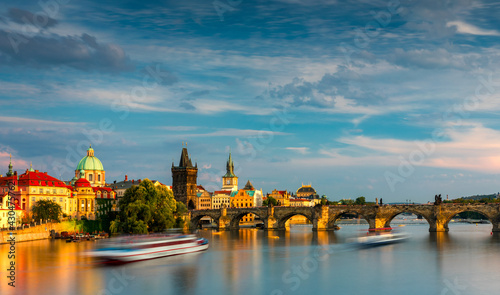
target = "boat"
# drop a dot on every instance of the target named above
(381, 239)
(144, 247)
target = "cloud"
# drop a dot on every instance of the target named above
(179, 128)
(469, 146)
(300, 150)
(465, 28)
(237, 133)
(82, 52)
(24, 17)
(431, 59)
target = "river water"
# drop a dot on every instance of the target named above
(464, 261)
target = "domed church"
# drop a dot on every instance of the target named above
(90, 167)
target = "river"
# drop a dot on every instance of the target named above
(465, 260)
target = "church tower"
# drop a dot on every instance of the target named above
(229, 180)
(10, 172)
(184, 180)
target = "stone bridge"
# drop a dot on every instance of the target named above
(324, 217)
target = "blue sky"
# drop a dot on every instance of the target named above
(391, 99)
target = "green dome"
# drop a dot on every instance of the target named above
(90, 162)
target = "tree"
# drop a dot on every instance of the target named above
(273, 201)
(324, 200)
(146, 208)
(46, 209)
(360, 201)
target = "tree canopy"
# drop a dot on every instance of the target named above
(147, 208)
(46, 209)
(273, 201)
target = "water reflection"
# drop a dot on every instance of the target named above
(253, 261)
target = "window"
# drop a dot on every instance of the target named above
(41, 190)
(33, 199)
(90, 177)
(54, 199)
(98, 177)
(54, 191)
(60, 200)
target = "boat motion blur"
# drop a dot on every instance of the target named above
(381, 239)
(136, 248)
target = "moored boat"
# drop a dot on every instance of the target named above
(135, 248)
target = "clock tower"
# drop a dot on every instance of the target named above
(229, 180)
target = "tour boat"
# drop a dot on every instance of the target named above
(382, 239)
(135, 248)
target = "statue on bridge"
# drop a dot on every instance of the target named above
(437, 199)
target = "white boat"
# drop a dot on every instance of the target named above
(381, 239)
(136, 248)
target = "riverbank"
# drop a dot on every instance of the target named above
(38, 232)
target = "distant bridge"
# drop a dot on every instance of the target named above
(324, 217)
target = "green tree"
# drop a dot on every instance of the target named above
(146, 208)
(360, 201)
(273, 201)
(46, 209)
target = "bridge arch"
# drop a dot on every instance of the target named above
(407, 210)
(491, 219)
(195, 220)
(235, 219)
(337, 215)
(284, 218)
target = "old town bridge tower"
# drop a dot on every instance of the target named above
(184, 180)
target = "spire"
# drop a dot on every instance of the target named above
(31, 168)
(10, 173)
(230, 167)
(249, 186)
(185, 160)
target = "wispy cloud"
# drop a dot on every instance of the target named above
(233, 132)
(465, 28)
(300, 150)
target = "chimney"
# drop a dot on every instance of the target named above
(45, 172)
(126, 177)
(15, 173)
(36, 171)
(139, 181)
(132, 181)
(114, 182)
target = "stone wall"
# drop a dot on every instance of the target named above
(38, 232)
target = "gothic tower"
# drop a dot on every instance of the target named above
(229, 180)
(184, 180)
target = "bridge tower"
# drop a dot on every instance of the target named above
(184, 180)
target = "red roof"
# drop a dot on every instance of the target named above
(82, 182)
(223, 192)
(39, 179)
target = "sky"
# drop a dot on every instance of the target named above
(384, 99)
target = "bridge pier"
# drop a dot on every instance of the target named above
(438, 225)
(321, 218)
(496, 226)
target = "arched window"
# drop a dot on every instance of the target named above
(90, 177)
(99, 177)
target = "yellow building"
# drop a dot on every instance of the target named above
(246, 198)
(5, 212)
(83, 200)
(282, 197)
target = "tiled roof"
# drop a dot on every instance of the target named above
(39, 179)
